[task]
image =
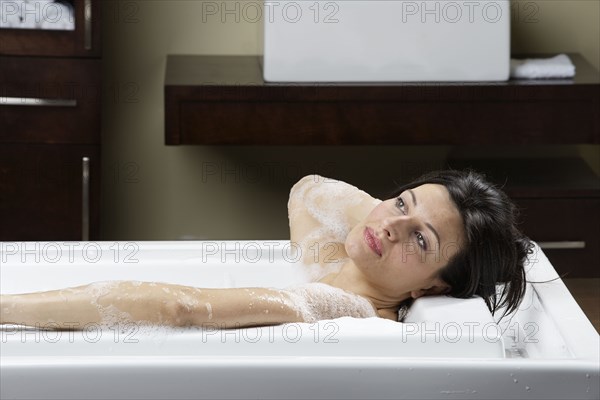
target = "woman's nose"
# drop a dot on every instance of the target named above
(392, 226)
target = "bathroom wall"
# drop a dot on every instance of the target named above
(154, 192)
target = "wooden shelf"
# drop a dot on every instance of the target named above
(223, 100)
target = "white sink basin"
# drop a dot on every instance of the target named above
(355, 40)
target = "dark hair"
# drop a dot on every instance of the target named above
(495, 250)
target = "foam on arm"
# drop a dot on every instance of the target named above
(121, 303)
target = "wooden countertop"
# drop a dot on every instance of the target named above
(232, 70)
(224, 100)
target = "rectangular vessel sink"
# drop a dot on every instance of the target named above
(379, 41)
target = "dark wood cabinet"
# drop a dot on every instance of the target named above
(41, 190)
(50, 100)
(50, 115)
(568, 230)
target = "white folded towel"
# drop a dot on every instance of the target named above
(36, 14)
(540, 68)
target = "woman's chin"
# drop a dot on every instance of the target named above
(352, 248)
(356, 252)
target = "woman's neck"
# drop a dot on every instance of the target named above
(351, 279)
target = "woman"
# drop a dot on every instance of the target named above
(448, 232)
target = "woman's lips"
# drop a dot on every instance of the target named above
(372, 241)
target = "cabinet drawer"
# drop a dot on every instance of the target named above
(41, 192)
(49, 100)
(569, 223)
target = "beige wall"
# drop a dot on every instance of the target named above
(154, 192)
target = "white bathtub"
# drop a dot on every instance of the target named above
(448, 349)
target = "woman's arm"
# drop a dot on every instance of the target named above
(111, 303)
(321, 213)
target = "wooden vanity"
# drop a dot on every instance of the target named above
(50, 114)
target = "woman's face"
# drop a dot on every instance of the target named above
(402, 245)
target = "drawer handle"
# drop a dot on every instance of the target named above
(562, 245)
(87, 17)
(35, 101)
(85, 200)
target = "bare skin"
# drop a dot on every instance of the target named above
(381, 279)
(149, 303)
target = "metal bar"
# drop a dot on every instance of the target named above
(87, 16)
(85, 200)
(562, 245)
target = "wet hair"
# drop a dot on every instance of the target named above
(494, 250)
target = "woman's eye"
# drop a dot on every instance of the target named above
(421, 241)
(400, 203)
(420, 238)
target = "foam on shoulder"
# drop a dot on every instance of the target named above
(327, 202)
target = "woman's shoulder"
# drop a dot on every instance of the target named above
(320, 194)
(315, 185)
(321, 213)
(326, 198)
